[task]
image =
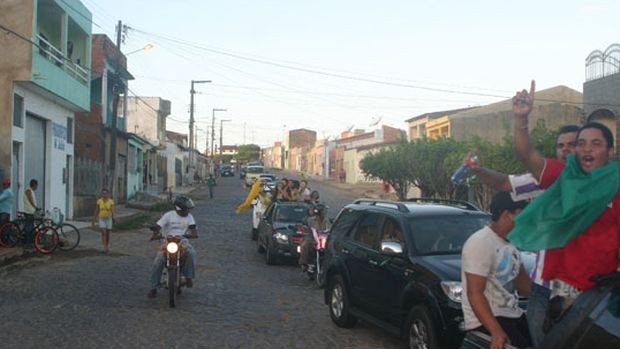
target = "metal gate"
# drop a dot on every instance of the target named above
(34, 155)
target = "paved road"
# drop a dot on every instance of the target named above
(84, 299)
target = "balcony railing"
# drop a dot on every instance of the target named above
(51, 53)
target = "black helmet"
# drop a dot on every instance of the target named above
(183, 204)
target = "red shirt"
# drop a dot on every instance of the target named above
(593, 252)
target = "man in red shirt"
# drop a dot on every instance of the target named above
(594, 250)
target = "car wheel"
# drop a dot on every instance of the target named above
(270, 257)
(339, 304)
(419, 331)
(260, 249)
(254, 234)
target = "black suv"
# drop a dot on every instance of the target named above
(398, 265)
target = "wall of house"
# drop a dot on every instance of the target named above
(15, 65)
(56, 189)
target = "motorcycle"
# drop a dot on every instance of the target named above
(172, 278)
(315, 271)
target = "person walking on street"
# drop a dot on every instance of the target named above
(6, 201)
(30, 208)
(211, 183)
(105, 212)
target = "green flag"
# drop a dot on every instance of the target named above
(567, 208)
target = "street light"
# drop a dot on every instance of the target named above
(221, 135)
(213, 130)
(145, 48)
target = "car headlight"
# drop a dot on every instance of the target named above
(172, 247)
(452, 289)
(281, 237)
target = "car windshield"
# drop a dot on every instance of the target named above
(296, 214)
(255, 169)
(444, 235)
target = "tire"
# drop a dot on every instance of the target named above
(46, 240)
(254, 234)
(9, 234)
(69, 236)
(339, 304)
(419, 331)
(319, 279)
(172, 287)
(260, 248)
(270, 258)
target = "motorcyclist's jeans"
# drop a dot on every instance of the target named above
(188, 258)
(536, 311)
(306, 253)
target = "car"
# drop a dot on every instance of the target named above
(252, 173)
(269, 180)
(597, 325)
(227, 171)
(277, 236)
(398, 265)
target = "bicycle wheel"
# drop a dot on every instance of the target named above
(46, 240)
(69, 237)
(9, 234)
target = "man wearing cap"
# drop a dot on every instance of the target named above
(6, 201)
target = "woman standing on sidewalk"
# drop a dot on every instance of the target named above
(106, 213)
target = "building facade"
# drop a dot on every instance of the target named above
(601, 90)
(44, 80)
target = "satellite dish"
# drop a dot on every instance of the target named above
(376, 122)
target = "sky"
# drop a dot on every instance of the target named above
(331, 65)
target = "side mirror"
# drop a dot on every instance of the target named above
(391, 247)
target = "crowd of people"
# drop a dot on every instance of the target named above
(568, 210)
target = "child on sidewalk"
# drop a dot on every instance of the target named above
(105, 212)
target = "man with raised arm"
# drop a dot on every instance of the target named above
(577, 219)
(526, 187)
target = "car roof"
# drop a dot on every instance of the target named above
(419, 207)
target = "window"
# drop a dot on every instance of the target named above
(367, 232)
(444, 235)
(291, 214)
(18, 110)
(69, 131)
(345, 222)
(392, 231)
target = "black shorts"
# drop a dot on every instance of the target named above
(516, 329)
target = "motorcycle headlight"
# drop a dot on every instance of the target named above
(172, 247)
(281, 237)
(452, 289)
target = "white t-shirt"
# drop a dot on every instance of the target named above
(174, 225)
(486, 254)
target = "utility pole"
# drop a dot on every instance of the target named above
(116, 89)
(192, 141)
(207, 142)
(213, 130)
(244, 132)
(221, 135)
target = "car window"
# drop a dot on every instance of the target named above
(392, 231)
(444, 235)
(291, 213)
(367, 231)
(255, 169)
(346, 220)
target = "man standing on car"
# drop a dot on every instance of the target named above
(526, 187)
(491, 272)
(578, 218)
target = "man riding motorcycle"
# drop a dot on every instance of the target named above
(179, 223)
(315, 220)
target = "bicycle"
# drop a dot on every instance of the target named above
(68, 234)
(45, 236)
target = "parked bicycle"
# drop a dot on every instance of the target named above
(68, 234)
(45, 236)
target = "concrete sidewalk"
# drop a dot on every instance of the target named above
(89, 235)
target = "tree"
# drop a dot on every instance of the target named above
(248, 152)
(386, 165)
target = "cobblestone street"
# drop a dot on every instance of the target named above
(85, 299)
